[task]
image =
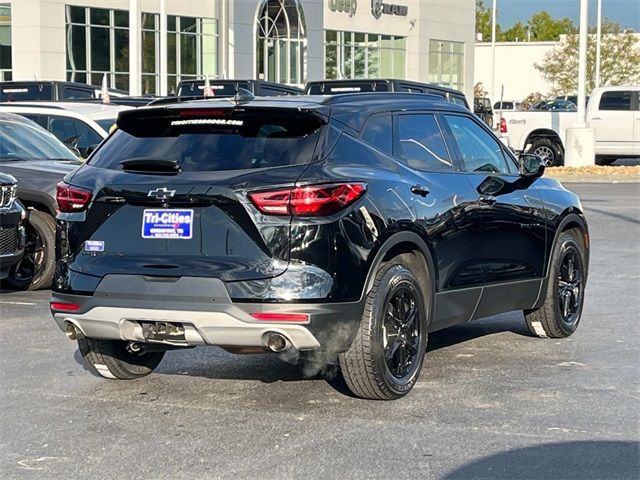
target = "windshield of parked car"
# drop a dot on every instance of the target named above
(22, 141)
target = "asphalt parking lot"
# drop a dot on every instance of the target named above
(492, 402)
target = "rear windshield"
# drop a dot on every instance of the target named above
(20, 93)
(236, 141)
(346, 87)
(220, 89)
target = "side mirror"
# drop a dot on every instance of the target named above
(530, 166)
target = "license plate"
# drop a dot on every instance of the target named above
(167, 223)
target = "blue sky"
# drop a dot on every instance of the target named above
(627, 12)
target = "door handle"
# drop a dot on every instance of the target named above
(420, 190)
(488, 199)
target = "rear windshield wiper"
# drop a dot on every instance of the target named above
(151, 165)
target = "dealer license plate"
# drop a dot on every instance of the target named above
(167, 223)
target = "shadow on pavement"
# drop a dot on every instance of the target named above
(584, 460)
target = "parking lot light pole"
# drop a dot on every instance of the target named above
(580, 140)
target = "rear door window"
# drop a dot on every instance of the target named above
(74, 92)
(620, 101)
(419, 143)
(231, 141)
(72, 131)
(379, 133)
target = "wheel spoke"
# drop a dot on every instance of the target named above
(393, 347)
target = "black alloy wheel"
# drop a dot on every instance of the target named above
(401, 331)
(569, 289)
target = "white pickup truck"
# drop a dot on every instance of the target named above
(613, 113)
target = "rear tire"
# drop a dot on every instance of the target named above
(35, 269)
(560, 314)
(110, 359)
(549, 151)
(387, 353)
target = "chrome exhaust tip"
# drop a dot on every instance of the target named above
(277, 342)
(73, 332)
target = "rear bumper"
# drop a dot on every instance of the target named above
(122, 303)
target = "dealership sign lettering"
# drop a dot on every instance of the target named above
(346, 6)
(379, 8)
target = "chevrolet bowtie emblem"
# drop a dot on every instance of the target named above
(161, 193)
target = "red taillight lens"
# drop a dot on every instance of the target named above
(72, 199)
(67, 307)
(503, 125)
(282, 317)
(309, 201)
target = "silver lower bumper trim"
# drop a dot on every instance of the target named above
(201, 328)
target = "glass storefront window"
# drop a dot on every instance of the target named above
(363, 55)
(192, 49)
(446, 63)
(281, 43)
(5, 42)
(97, 41)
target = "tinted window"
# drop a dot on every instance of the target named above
(378, 132)
(25, 92)
(459, 101)
(616, 101)
(70, 92)
(73, 132)
(479, 150)
(26, 141)
(346, 87)
(242, 140)
(410, 88)
(220, 89)
(420, 145)
(505, 106)
(271, 92)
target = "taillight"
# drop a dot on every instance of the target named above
(503, 125)
(72, 199)
(312, 200)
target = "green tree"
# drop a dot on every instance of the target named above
(544, 27)
(517, 33)
(483, 21)
(619, 64)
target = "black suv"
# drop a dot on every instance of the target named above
(12, 232)
(344, 227)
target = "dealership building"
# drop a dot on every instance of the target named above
(288, 41)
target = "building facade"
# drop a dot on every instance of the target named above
(288, 41)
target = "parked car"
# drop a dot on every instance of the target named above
(482, 108)
(554, 105)
(45, 90)
(38, 161)
(612, 112)
(334, 87)
(573, 99)
(79, 125)
(308, 224)
(12, 232)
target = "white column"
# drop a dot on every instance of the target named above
(163, 49)
(580, 139)
(598, 42)
(135, 48)
(493, 49)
